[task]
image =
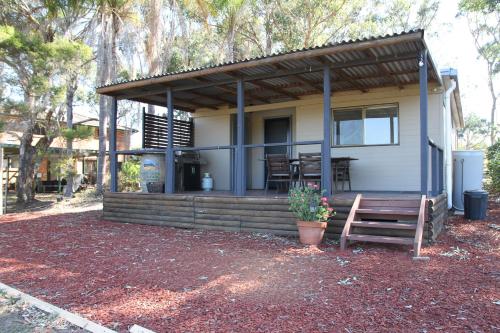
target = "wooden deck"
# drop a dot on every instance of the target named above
(253, 213)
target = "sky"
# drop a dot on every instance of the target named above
(451, 45)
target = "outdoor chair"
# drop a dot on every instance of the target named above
(309, 168)
(278, 170)
(341, 174)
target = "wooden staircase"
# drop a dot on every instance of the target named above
(368, 215)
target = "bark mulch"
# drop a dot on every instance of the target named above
(172, 280)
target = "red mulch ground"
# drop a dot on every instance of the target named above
(203, 281)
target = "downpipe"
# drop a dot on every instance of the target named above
(447, 143)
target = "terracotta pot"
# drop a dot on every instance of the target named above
(310, 232)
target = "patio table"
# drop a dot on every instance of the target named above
(294, 162)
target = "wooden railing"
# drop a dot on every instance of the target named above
(350, 218)
(417, 243)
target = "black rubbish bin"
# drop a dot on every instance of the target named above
(475, 204)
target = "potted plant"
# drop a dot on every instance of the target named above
(312, 212)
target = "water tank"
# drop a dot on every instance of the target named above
(467, 174)
(152, 169)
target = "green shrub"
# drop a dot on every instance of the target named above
(493, 157)
(129, 177)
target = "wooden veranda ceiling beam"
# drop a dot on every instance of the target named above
(215, 98)
(232, 91)
(205, 83)
(383, 70)
(181, 102)
(162, 103)
(274, 88)
(336, 80)
(251, 93)
(344, 76)
(261, 83)
(301, 79)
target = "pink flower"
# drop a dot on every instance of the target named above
(330, 209)
(315, 186)
(324, 199)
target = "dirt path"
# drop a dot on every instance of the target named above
(177, 280)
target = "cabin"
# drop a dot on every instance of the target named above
(47, 178)
(376, 117)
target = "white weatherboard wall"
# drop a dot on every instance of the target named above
(214, 130)
(379, 168)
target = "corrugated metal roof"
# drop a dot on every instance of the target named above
(355, 65)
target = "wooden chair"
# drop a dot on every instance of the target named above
(309, 168)
(341, 174)
(278, 169)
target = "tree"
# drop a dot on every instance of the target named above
(484, 24)
(474, 133)
(71, 14)
(225, 16)
(159, 41)
(36, 55)
(493, 171)
(110, 15)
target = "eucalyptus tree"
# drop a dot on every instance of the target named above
(225, 17)
(109, 17)
(74, 19)
(159, 22)
(36, 55)
(484, 23)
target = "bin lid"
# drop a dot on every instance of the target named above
(476, 193)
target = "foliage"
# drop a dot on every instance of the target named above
(484, 23)
(307, 204)
(493, 171)
(37, 54)
(474, 134)
(63, 167)
(80, 132)
(129, 177)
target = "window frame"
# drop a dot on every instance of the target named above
(363, 109)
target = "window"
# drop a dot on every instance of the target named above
(373, 125)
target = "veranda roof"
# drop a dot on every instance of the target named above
(391, 60)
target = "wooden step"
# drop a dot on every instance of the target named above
(381, 239)
(394, 211)
(384, 225)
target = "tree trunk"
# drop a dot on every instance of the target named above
(104, 76)
(154, 43)
(70, 95)
(493, 104)
(230, 44)
(25, 187)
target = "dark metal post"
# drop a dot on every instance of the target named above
(441, 171)
(435, 170)
(169, 154)
(424, 143)
(112, 146)
(240, 185)
(143, 127)
(326, 160)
